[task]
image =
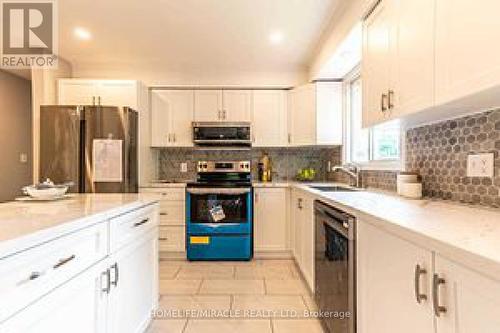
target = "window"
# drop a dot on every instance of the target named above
(376, 147)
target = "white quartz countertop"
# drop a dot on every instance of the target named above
(469, 235)
(24, 224)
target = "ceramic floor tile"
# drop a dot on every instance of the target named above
(168, 270)
(296, 326)
(286, 287)
(279, 272)
(167, 326)
(228, 326)
(179, 287)
(214, 271)
(234, 287)
(270, 306)
(310, 303)
(187, 304)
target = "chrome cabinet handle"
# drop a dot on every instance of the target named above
(116, 272)
(299, 203)
(383, 100)
(390, 101)
(218, 114)
(99, 100)
(93, 100)
(289, 138)
(224, 114)
(107, 287)
(419, 271)
(137, 224)
(163, 214)
(64, 261)
(436, 282)
(163, 238)
(175, 138)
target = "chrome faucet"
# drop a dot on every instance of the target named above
(350, 169)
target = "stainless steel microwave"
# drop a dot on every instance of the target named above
(222, 134)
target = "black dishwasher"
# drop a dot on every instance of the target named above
(335, 292)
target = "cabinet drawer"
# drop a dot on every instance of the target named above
(172, 213)
(126, 228)
(170, 194)
(172, 239)
(26, 276)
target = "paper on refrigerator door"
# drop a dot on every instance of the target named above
(108, 159)
(217, 213)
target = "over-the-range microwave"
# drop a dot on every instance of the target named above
(222, 134)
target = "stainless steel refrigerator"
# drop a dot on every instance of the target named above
(95, 147)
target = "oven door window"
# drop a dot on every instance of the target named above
(219, 208)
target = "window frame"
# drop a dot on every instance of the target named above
(371, 164)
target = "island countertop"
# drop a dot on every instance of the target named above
(24, 224)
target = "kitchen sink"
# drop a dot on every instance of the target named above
(334, 188)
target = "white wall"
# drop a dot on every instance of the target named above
(44, 92)
(348, 14)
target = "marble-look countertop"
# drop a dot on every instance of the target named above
(468, 235)
(24, 224)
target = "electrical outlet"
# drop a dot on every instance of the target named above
(23, 158)
(480, 165)
(184, 167)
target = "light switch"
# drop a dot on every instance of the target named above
(480, 165)
(184, 167)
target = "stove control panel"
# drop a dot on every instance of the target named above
(224, 166)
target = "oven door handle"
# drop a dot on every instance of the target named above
(218, 190)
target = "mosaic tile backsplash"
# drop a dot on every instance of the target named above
(286, 161)
(438, 152)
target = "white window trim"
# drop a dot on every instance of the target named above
(387, 165)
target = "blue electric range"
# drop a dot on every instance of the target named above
(219, 212)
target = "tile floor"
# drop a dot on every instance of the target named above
(262, 296)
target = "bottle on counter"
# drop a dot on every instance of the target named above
(265, 165)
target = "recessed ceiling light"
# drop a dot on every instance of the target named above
(276, 37)
(82, 33)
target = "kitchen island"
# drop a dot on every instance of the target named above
(87, 263)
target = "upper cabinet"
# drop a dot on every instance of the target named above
(269, 118)
(98, 92)
(315, 114)
(398, 60)
(172, 113)
(467, 57)
(223, 105)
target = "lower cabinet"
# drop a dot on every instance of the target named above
(303, 234)
(405, 288)
(133, 285)
(79, 306)
(270, 216)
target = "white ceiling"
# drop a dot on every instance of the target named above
(192, 35)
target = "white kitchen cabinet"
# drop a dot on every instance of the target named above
(270, 118)
(472, 301)
(237, 105)
(79, 306)
(208, 105)
(316, 114)
(270, 219)
(467, 55)
(172, 114)
(386, 293)
(133, 290)
(303, 234)
(98, 92)
(398, 60)
(376, 63)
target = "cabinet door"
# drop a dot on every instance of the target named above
(132, 294)
(472, 301)
(269, 116)
(386, 283)
(78, 306)
(329, 103)
(375, 63)
(467, 56)
(412, 43)
(208, 105)
(307, 240)
(297, 203)
(303, 115)
(270, 225)
(117, 93)
(76, 92)
(237, 105)
(171, 118)
(161, 119)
